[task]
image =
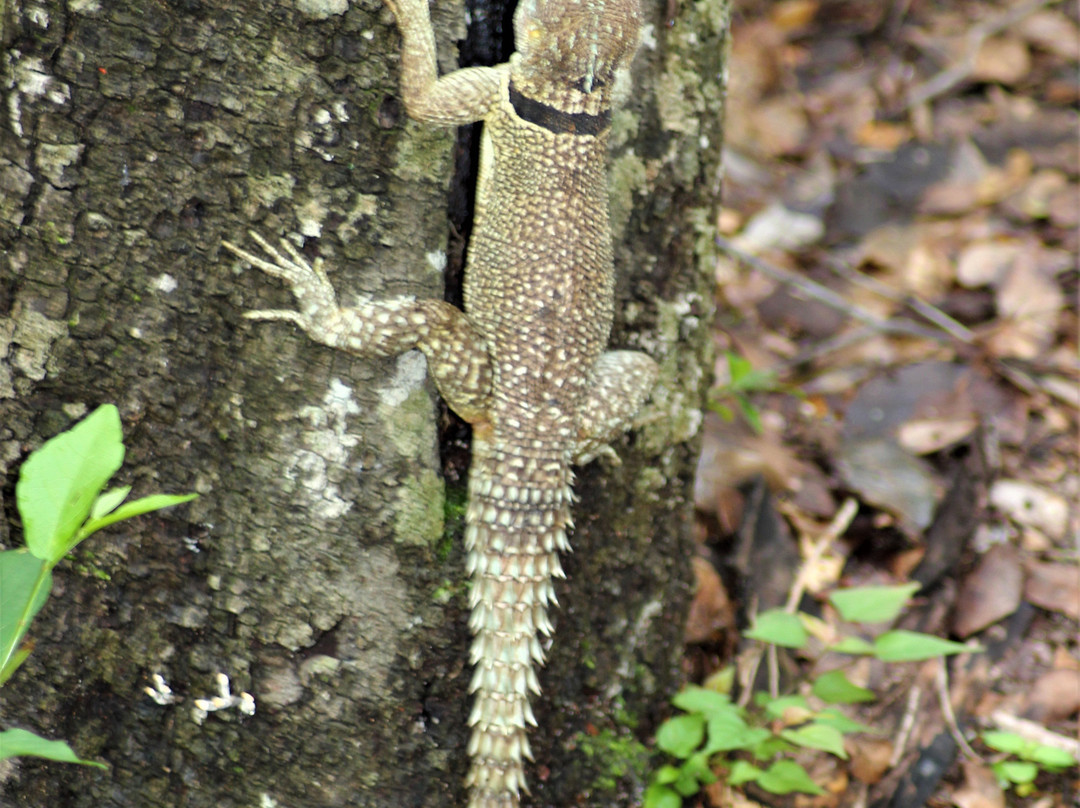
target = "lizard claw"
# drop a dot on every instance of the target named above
(604, 451)
(308, 281)
(277, 314)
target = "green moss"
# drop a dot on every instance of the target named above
(613, 756)
(85, 562)
(627, 177)
(405, 411)
(420, 509)
(455, 504)
(424, 154)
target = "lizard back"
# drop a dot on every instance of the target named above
(539, 284)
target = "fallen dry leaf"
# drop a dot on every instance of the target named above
(887, 476)
(990, 592)
(1001, 181)
(1064, 207)
(929, 435)
(980, 789)
(1003, 59)
(1028, 304)
(778, 227)
(791, 15)
(1052, 31)
(1036, 198)
(779, 125)
(957, 192)
(1032, 506)
(882, 135)
(711, 611)
(1055, 696)
(1055, 587)
(869, 758)
(985, 263)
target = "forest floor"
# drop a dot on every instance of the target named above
(899, 392)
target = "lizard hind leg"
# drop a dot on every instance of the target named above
(621, 381)
(457, 356)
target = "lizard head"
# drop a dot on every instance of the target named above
(569, 50)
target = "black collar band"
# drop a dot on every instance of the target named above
(555, 120)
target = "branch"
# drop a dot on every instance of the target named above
(976, 36)
(823, 294)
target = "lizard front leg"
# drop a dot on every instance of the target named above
(458, 98)
(457, 355)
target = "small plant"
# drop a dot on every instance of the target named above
(750, 744)
(1024, 760)
(744, 381)
(60, 499)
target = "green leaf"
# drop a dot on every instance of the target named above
(750, 413)
(770, 747)
(775, 708)
(701, 700)
(1008, 742)
(658, 796)
(911, 646)
(872, 604)
(1050, 757)
(681, 735)
(16, 742)
(107, 502)
(722, 681)
(722, 410)
(666, 774)
(744, 377)
(1016, 771)
(779, 628)
(787, 776)
(26, 582)
(687, 785)
(743, 772)
(835, 688)
(727, 731)
(155, 502)
(59, 482)
(836, 719)
(17, 659)
(852, 645)
(817, 736)
(697, 767)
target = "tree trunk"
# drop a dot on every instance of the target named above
(321, 568)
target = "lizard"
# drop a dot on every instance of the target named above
(524, 360)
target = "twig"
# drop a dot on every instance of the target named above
(862, 790)
(824, 294)
(942, 682)
(772, 658)
(1032, 384)
(834, 531)
(907, 723)
(926, 310)
(823, 348)
(1031, 731)
(976, 35)
(747, 682)
(749, 672)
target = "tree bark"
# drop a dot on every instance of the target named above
(321, 567)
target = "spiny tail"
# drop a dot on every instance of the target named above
(513, 534)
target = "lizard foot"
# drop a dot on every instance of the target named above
(309, 283)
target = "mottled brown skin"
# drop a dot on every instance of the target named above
(524, 362)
